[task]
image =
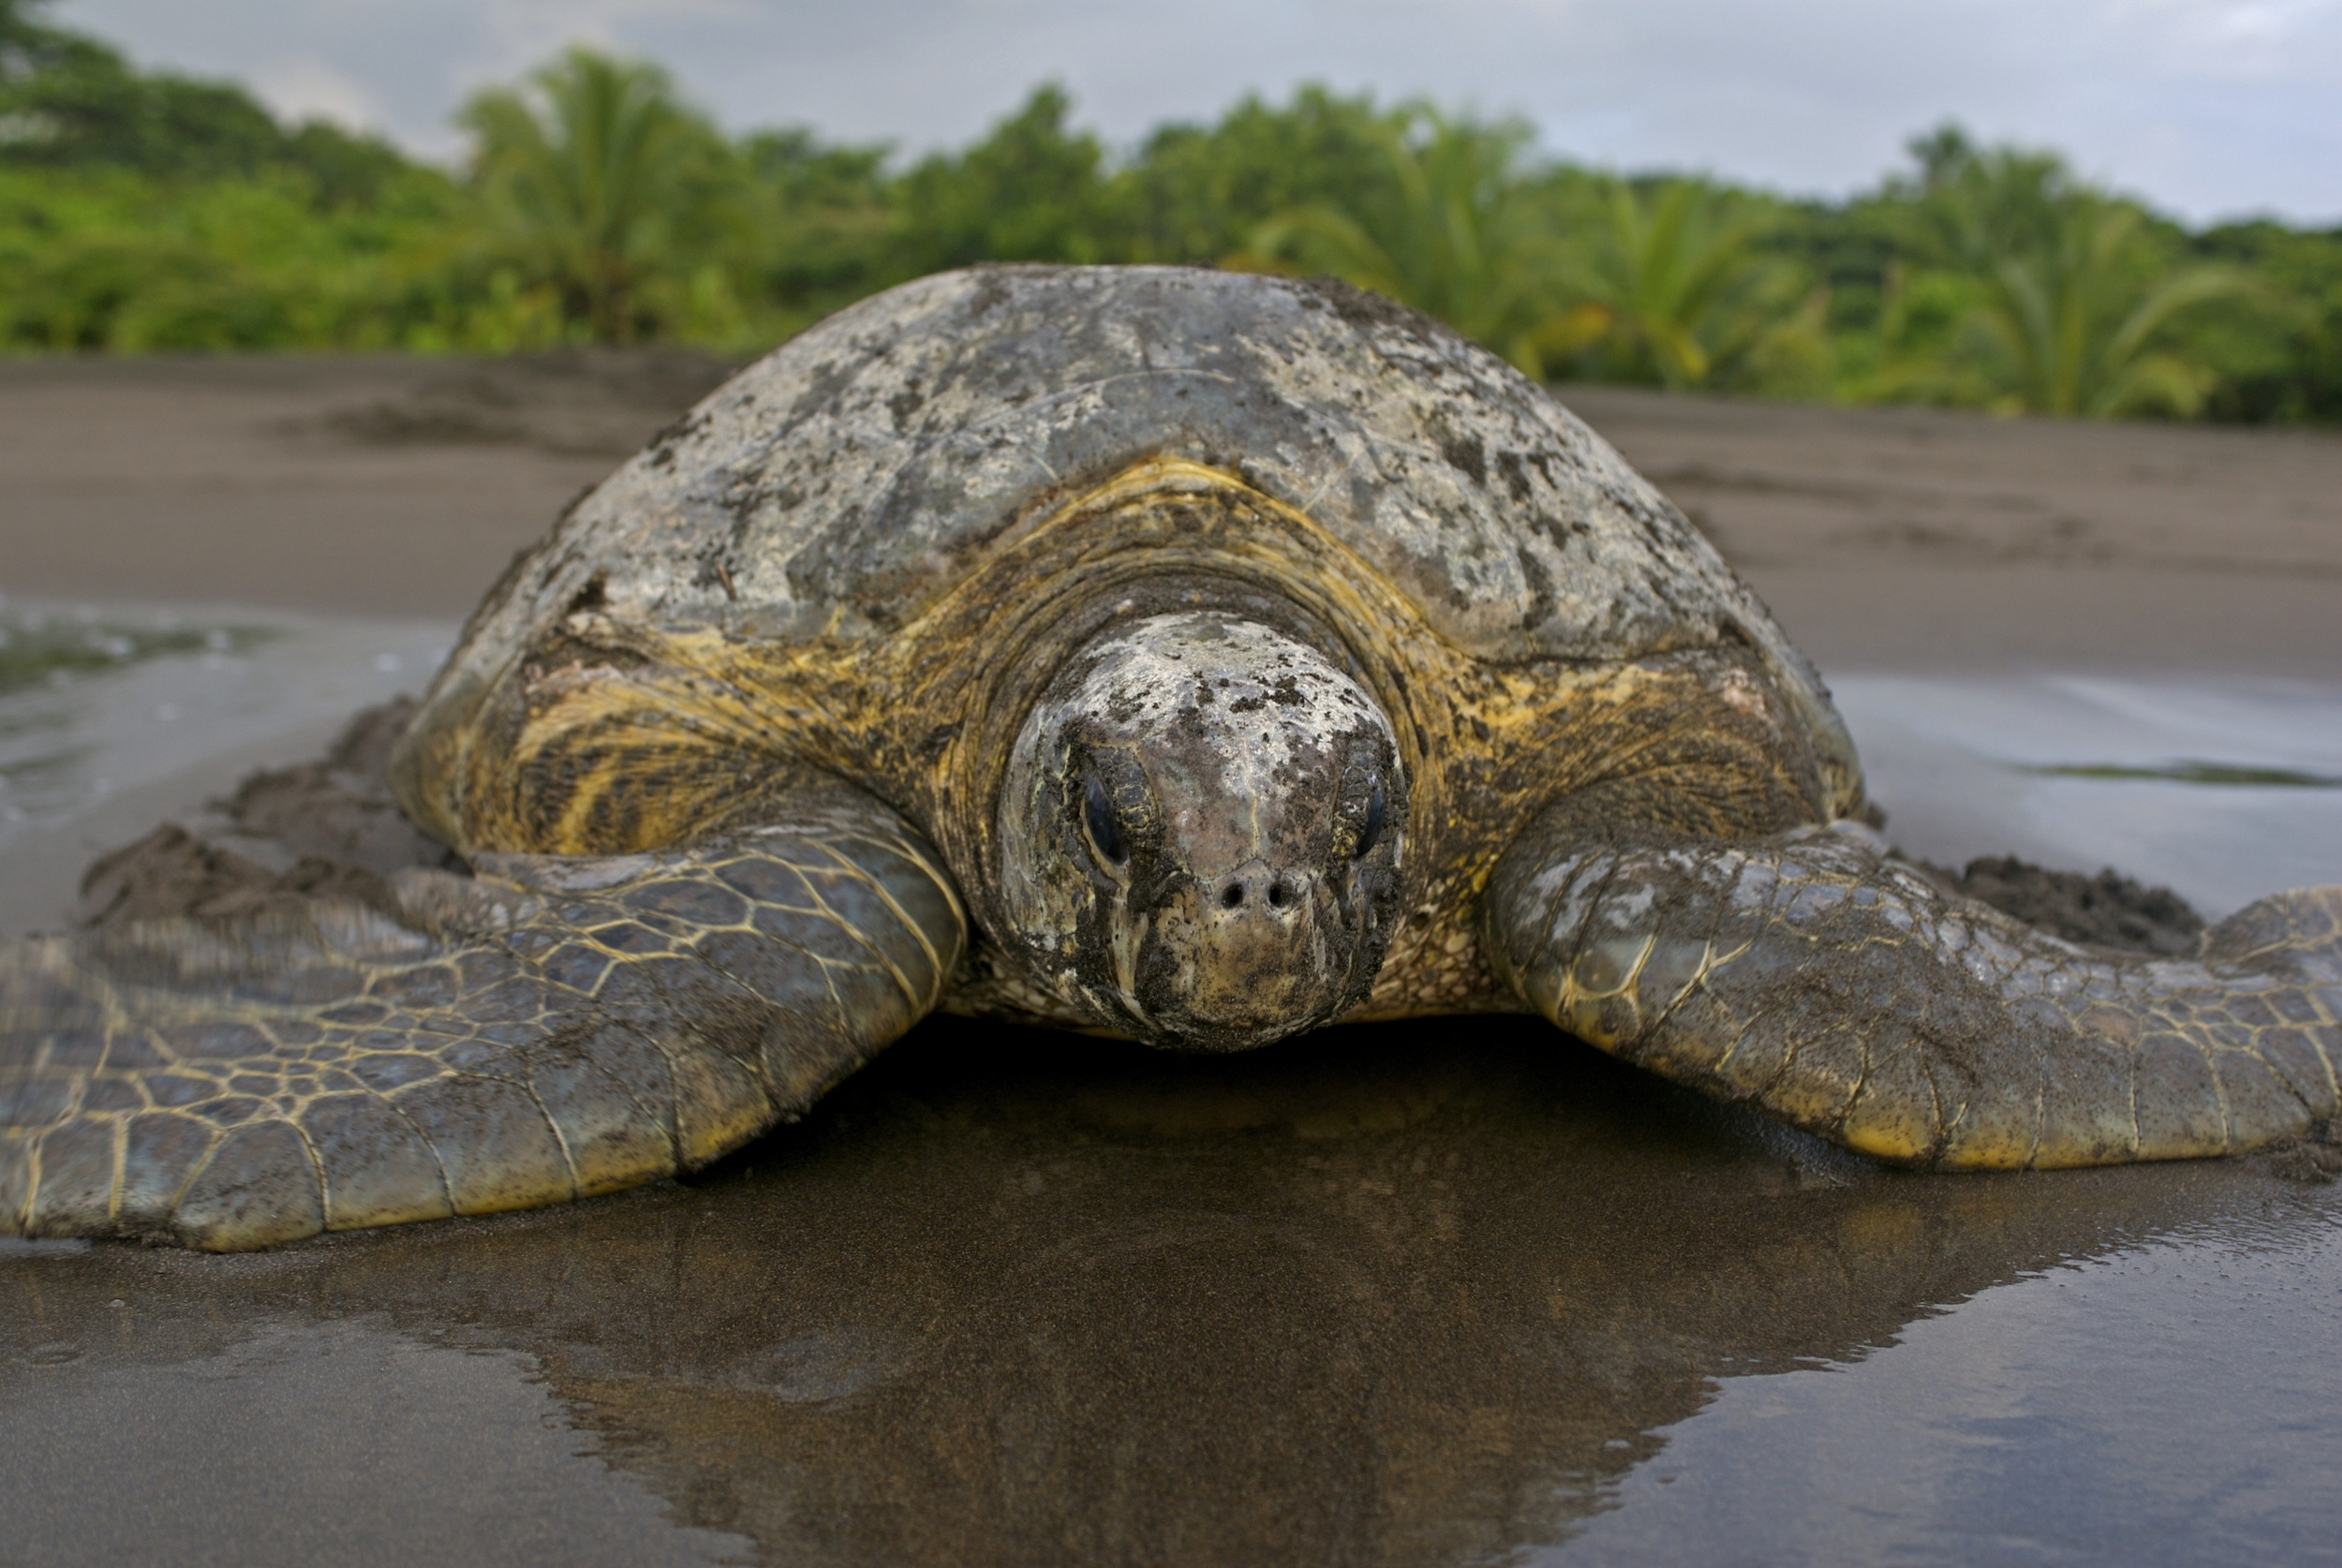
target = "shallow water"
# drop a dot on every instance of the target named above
(113, 718)
(1419, 1293)
(2222, 789)
(94, 702)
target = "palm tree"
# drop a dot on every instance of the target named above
(1467, 239)
(598, 180)
(2077, 316)
(1682, 290)
(2072, 291)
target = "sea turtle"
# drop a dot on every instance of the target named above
(1173, 653)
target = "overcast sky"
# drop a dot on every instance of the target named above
(2208, 108)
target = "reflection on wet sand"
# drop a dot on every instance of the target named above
(1416, 1293)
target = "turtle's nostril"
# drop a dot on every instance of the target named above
(1255, 890)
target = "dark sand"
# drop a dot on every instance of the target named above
(1885, 539)
(387, 487)
(1419, 1294)
(1916, 540)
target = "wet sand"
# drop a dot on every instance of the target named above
(1416, 1293)
(1394, 1295)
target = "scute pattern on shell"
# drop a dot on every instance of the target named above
(850, 477)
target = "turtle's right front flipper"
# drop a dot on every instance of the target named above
(1826, 984)
(556, 1028)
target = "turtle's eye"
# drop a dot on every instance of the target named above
(1105, 827)
(1371, 829)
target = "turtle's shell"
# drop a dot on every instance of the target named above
(846, 480)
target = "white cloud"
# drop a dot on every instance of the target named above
(2210, 107)
(306, 87)
(523, 32)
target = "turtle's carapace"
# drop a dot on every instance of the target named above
(1184, 654)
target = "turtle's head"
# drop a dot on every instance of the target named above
(1200, 834)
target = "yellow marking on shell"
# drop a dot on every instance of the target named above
(1287, 551)
(909, 714)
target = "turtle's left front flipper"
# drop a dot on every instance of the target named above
(552, 1028)
(1833, 988)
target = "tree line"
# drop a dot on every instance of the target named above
(145, 211)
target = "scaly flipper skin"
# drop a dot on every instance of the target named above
(554, 1029)
(1827, 985)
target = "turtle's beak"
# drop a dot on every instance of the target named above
(1243, 958)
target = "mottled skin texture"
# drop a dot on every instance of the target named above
(1175, 654)
(1846, 993)
(1201, 834)
(548, 1029)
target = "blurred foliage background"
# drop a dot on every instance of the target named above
(144, 211)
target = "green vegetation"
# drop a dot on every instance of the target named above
(142, 211)
(2193, 773)
(600, 187)
(1462, 233)
(37, 649)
